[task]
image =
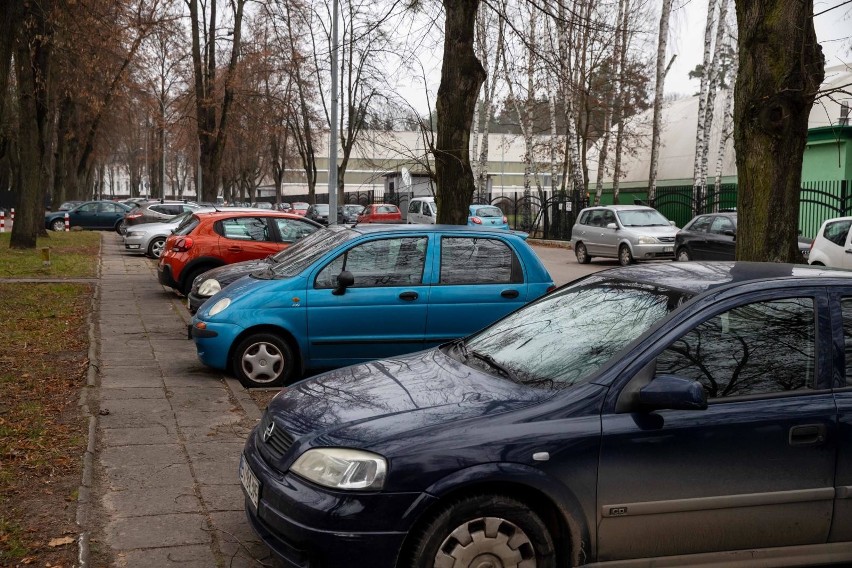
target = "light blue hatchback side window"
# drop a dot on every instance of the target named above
(385, 262)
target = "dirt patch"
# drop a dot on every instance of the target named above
(43, 363)
(262, 397)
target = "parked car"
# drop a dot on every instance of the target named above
(349, 213)
(150, 238)
(300, 208)
(156, 212)
(833, 244)
(318, 212)
(422, 210)
(263, 205)
(207, 240)
(355, 294)
(487, 216)
(626, 232)
(713, 237)
(659, 415)
(89, 215)
(380, 213)
(283, 206)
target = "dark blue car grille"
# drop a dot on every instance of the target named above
(278, 440)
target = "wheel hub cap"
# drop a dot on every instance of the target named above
(489, 542)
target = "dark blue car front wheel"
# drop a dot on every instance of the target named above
(484, 530)
(263, 360)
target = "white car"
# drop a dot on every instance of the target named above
(422, 210)
(832, 246)
(149, 238)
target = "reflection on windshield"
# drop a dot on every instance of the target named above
(292, 260)
(567, 336)
(642, 218)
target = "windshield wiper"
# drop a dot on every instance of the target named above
(492, 362)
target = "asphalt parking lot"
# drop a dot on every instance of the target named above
(169, 431)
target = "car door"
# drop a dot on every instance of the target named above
(753, 470)
(696, 238)
(291, 230)
(610, 237)
(589, 231)
(721, 240)
(841, 527)
(109, 214)
(85, 216)
(245, 238)
(480, 280)
(382, 314)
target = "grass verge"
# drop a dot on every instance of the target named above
(71, 256)
(43, 362)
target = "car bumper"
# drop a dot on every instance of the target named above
(650, 252)
(306, 525)
(133, 242)
(164, 276)
(194, 302)
(213, 345)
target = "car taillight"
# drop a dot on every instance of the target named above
(183, 244)
(133, 215)
(550, 288)
(476, 220)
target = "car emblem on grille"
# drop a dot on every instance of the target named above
(268, 432)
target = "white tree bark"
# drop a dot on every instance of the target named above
(620, 98)
(659, 88)
(603, 154)
(727, 132)
(490, 90)
(575, 169)
(715, 76)
(700, 139)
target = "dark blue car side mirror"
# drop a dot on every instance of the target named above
(344, 280)
(673, 393)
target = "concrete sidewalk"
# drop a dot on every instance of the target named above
(169, 434)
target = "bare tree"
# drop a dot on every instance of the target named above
(659, 89)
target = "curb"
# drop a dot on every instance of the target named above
(84, 491)
(550, 243)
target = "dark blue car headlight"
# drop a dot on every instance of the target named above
(342, 468)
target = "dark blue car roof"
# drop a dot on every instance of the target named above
(698, 277)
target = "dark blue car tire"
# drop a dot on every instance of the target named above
(455, 536)
(263, 360)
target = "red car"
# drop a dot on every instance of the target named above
(300, 208)
(207, 240)
(380, 213)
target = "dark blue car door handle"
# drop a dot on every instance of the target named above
(409, 296)
(510, 293)
(807, 435)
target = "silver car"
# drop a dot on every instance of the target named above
(149, 238)
(626, 232)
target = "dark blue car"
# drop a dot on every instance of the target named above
(89, 215)
(673, 413)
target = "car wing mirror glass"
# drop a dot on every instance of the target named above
(611, 226)
(344, 280)
(730, 233)
(672, 392)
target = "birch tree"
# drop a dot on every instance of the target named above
(716, 72)
(699, 186)
(725, 135)
(659, 88)
(621, 31)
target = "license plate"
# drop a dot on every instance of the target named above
(668, 249)
(249, 482)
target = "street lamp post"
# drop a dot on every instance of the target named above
(332, 132)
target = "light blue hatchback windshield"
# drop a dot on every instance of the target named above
(294, 259)
(567, 336)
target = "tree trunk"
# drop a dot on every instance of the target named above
(461, 77)
(715, 79)
(700, 140)
(620, 98)
(725, 136)
(32, 65)
(659, 88)
(780, 70)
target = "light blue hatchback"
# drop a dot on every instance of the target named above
(487, 216)
(347, 295)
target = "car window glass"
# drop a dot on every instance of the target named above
(700, 225)
(386, 209)
(294, 259)
(608, 217)
(836, 232)
(720, 225)
(110, 208)
(472, 260)
(245, 229)
(643, 218)
(571, 333)
(584, 218)
(158, 208)
(846, 307)
(427, 209)
(291, 230)
(88, 208)
(414, 207)
(758, 348)
(384, 262)
(488, 212)
(187, 226)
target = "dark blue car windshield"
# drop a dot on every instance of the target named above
(565, 337)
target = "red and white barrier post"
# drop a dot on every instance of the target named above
(2, 221)
(67, 223)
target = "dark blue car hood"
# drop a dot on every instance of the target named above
(364, 404)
